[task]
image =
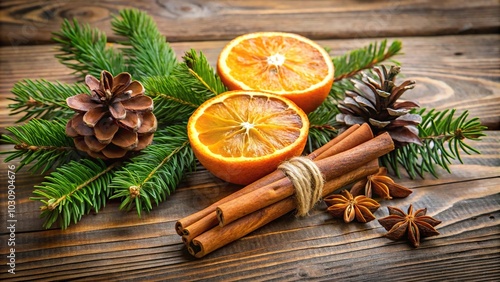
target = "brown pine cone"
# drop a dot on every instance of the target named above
(376, 102)
(114, 119)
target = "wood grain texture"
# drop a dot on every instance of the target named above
(31, 22)
(119, 246)
(459, 72)
(452, 50)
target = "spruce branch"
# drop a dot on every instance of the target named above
(86, 51)
(43, 99)
(367, 57)
(208, 82)
(175, 96)
(151, 176)
(41, 142)
(74, 190)
(149, 53)
(190, 84)
(443, 136)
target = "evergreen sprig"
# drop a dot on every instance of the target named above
(43, 99)
(204, 80)
(364, 58)
(74, 190)
(190, 84)
(173, 99)
(149, 178)
(149, 53)
(443, 137)
(41, 142)
(86, 50)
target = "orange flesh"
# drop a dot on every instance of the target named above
(248, 126)
(276, 64)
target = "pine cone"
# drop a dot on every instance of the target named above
(114, 119)
(376, 103)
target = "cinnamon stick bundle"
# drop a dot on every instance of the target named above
(348, 157)
(331, 167)
(219, 236)
(206, 218)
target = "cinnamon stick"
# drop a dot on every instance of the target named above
(331, 167)
(353, 136)
(218, 236)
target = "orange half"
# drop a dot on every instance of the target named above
(241, 136)
(285, 64)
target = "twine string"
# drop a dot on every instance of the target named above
(307, 180)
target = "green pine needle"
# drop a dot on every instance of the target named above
(203, 78)
(43, 99)
(358, 60)
(85, 50)
(177, 95)
(149, 53)
(173, 99)
(150, 177)
(41, 143)
(74, 190)
(443, 137)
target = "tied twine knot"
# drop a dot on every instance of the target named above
(307, 180)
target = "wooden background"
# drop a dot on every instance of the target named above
(451, 48)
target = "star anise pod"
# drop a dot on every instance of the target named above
(114, 119)
(380, 184)
(412, 225)
(349, 208)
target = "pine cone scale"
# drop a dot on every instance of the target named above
(123, 97)
(82, 103)
(118, 111)
(105, 130)
(131, 121)
(138, 103)
(144, 141)
(92, 117)
(376, 104)
(149, 123)
(93, 144)
(114, 152)
(70, 131)
(135, 88)
(80, 127)
(125, 139)
(121, 82)
(114, 119)
(92, 83)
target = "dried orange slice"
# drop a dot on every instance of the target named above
(241, 136)
(281, 63)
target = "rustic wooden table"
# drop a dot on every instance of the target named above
(451, 48)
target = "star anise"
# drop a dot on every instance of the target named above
(349, 207)
(414, 225)
(380, 184)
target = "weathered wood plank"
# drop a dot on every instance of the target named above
(122, 246)
(451, 71)
(321, 245)
(32, 22)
